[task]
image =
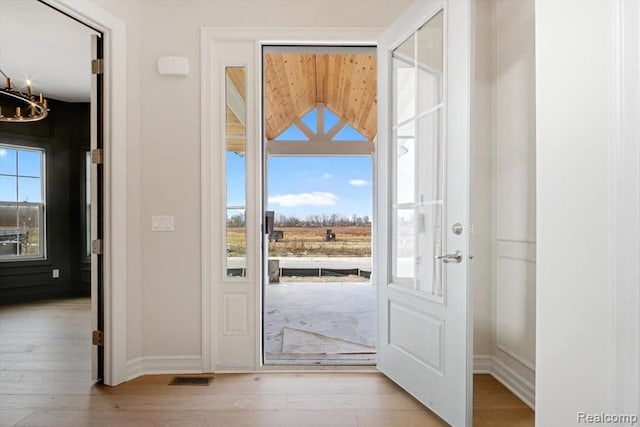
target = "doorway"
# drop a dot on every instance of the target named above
(51, 180)
(319, 131)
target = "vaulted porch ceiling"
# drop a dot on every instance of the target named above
(296, 82)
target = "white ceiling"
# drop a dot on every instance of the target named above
(47, 47)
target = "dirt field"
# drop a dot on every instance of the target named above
(352, 241)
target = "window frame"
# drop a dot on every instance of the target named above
(42, 255)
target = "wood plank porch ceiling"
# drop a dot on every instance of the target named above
(295, 83)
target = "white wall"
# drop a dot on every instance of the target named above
(588, 192)
(482, 197)
(515, 203)
(504, 194)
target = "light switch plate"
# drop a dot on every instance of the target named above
(162, 223)
(55, 273)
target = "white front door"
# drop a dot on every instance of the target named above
(422, 224)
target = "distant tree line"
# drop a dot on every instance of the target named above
(333, 220)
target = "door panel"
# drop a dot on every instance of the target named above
(422, 185)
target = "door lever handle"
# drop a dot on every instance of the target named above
(454, 257)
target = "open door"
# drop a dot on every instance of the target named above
(422, 225)
(96, 194)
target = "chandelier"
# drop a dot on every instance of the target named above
(28, 108)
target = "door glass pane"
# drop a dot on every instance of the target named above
(404, 81)
(418, 158)
(236, 243)
(404, 250)
(429, 182)
(430, 59)
(429, 173)
(236, 169)
(429, 245)
(405, 163)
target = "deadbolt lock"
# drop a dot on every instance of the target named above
(457, 228)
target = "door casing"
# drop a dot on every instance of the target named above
(115, 182)
(211, 296)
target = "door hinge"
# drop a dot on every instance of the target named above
(97, 66)
(96, 247)
(97, 338)
(97, 156)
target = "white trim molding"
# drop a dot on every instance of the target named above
(512, 253)
(155, 365)
(115, 181)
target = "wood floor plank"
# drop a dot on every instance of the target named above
(510, 417)
(315, 418)
(352, 401)
(201, 402)
(398, 418)
(10, 417)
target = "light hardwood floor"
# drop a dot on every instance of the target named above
(44, 371)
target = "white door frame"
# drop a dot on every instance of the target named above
(115, 182)
(210, 195)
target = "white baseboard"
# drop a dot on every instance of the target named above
(523, 389)
(153, 365)
(135, 368)
(482, 364)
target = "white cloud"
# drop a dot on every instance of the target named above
(316, 198)
(326, 175)
(358, 182)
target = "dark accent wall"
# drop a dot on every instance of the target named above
(65, 137)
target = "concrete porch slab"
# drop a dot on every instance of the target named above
(345, 311)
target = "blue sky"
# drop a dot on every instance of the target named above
(302, 186)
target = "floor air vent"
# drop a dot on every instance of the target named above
(191, 381)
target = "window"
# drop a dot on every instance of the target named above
(418, 166)
(236, 170)
(21, 203)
